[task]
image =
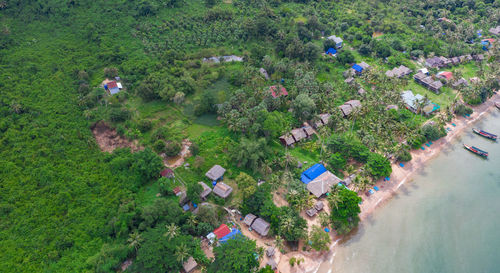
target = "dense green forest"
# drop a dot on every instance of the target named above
(66, 206)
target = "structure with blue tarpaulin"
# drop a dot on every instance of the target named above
(311, 173)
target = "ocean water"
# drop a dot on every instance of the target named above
(446, 219)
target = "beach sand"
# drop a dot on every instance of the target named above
(399, 176)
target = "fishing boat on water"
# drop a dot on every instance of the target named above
(497, 104)
(476, 150)
(485, 134)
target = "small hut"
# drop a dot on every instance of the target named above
(190, 265)
(222, 190)
(216, 173)
(206, 190)
(249, 218)
(260, 226)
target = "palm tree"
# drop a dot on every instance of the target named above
(172, 231)
(192, 221)
(278, 242)
(135, 240)
(334, 199)
(181, 252)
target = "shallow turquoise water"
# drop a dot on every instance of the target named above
(446, 219)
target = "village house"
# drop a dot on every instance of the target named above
(460, 82)
(270, 251)
(222, 190)
(331, 52)
(206, 190)
(263, 72)
(322, 184)
(434, 62)
(167, 172)
(349, 80)
(216, 173)
(218, 59)
(338, 41)
(308, 130)
(398, 72)
(189, 265)
(113, 87)
(287, 140)
(322, 120)
(445, 75)
(278, 91)
(298, 134)
(418, 102)
(249, 218)
(495, 30)
(428, 82)
(349, 106)
(260, 226)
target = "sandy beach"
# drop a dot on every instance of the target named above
(400, 175)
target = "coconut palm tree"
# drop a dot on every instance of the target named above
(172, 231)
(135, 240)
(278, 242)
(192, 221)
(181, 252)
(334, 199)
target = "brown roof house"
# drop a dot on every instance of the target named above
(322, 120)
(222, 190)
(270, 251)
(298, 134)
(216, 173)
(349, 106)
(206, 190)
(318, 206)
(249, 218)
(189, 265)
(309, 130)
(322, 184)
(287, 140)
(260, 226)
(311, 212)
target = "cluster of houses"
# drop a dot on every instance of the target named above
(114, 86)
(257, 224)
(428, 82)
(440, 62)
(296, 135)
(398, 72)
(416, 103)
(355, 70)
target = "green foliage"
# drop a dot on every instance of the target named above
(193, 192)
(337, 161)
(344, 214)
(236, 255)
(151, 256)
(173, 148)
(320, 240)
(404, 156)
(251, 153)
(345, 57)
(433, 132)
(303, 107)
(463, 110)
(246, 185)
(378, 166)
(292, 225)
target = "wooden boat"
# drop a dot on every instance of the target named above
(497, 104)
(485, 134)
(476, 150)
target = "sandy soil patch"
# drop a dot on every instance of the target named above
(108, 140)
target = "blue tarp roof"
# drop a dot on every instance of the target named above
(311, 173)
(357, 67)
(331, 50)
(235, 232)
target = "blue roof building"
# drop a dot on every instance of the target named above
(311, 173)
(331, 51)
(233, 234)
(357, 68)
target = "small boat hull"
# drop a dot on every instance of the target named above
(485, 134)
(476, 150)
(497, 104)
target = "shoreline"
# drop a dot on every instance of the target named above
(313, 260)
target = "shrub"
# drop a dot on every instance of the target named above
(173, 148)
(159, 146)
(404, 156)
(378, 165)
(144, 125)
(463, 110)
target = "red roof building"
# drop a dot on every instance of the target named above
(167, 173)
(112, 84)
(177, 190)
(222, 231)
(278, 91)
(446, 75)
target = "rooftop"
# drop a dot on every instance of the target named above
(323, 183)
(215, 173)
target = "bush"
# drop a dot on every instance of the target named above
(144, 125)
(378, 165)
(345, 57)
(463, 110)
(119, 114)
(404, 156)
(337, 161)
(173, 148)
(165, 187)
(433, 132)
(159, 146)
